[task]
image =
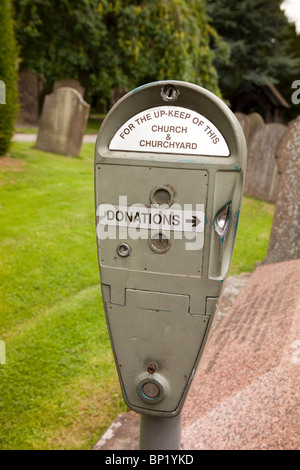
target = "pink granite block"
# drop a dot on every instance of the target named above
(245, 394)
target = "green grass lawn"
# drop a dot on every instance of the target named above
(252, 236)
(59, 388)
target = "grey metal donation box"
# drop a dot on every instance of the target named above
(170, 162)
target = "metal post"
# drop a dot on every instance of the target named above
(160, 433)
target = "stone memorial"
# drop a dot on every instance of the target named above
(116, 94)
(262, 176)
(63, 122)
(30, 86)
(245, 395)
(245, 124)
(70, 83)
(256, 121)
(284, 241)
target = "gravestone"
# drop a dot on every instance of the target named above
(70, 83)
(63, 122)
(245, 394)
(245, 124)
(262, 175)
(256, 122)
(116, 94)
(30, 86)
(284, 241)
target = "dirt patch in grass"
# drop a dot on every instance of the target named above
(11, 164)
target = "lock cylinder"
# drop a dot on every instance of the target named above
(152, 388)
(159, 242)
(150, 391)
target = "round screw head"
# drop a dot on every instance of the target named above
(123, 249)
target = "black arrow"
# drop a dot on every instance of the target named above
(194, 221)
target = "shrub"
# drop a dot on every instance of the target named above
(8, 74)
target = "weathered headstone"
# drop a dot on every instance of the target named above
(245, 395)
(245, 124)
(30, 85)
(70, 83)
(262, 176)
(63, 122)
(284, 241)
(116, 94)
(256, 122)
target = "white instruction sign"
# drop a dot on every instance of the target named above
(170, 129)
(152, 218)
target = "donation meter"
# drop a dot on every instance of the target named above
(170, 162)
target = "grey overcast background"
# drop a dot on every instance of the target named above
(292, 11)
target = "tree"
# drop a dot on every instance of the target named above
(158, 39)
(8, 75)
(60, 38)
(106, 43)
(255, 31)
